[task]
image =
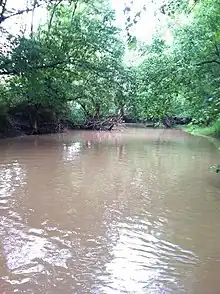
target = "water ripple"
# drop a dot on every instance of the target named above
(141, 262)
(102, 213)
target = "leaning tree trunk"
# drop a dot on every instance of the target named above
(167, 122)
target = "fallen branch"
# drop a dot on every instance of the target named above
(104, 124)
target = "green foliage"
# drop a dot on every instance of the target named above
(213, 130)
(76, 57)
(74, 64)
(181, 78)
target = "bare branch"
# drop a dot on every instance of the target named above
(19, 12)
(3, 5)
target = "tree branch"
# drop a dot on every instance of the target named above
(19, 12)
(208, 62)
(74, 10)
(217, 50)
(32, 18)
(3, 5)
(38, 67)
(52, 14)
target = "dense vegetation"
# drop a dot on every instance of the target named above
(72, 68)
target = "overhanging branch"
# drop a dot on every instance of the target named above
(39, 67)
(208, 62)
(19, 12)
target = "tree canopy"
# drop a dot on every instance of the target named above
(73, 65)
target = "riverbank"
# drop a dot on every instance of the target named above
(24, 121)
(209, 131)
(212, 133)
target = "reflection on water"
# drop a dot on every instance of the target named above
(10, 173)
(107, 212)
(142, 262)
(71, 151)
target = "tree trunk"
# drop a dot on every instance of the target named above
(166, 122)
(35, 127)
(32, 18)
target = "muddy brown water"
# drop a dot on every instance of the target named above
(123, 212)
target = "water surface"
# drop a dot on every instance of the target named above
(123, 212)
